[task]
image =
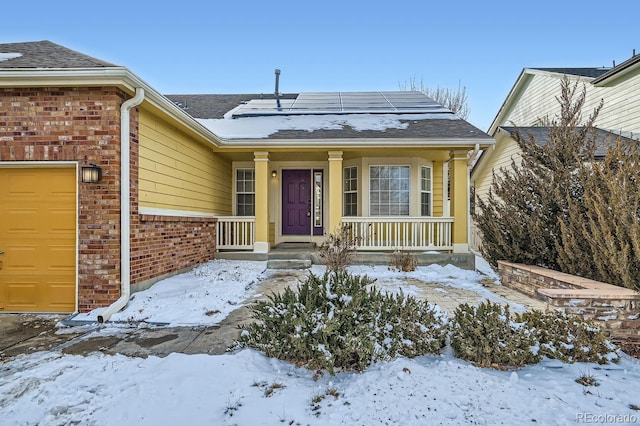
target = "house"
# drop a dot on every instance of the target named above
(204, 173)
(534, 97)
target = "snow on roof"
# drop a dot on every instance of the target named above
(264, 126)
(7, 56)
(309, 112)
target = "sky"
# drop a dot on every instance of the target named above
(209, 46)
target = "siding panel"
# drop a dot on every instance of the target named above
(179, 173)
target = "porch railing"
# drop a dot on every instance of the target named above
(408, 233)
(235, 232)
(373, 233)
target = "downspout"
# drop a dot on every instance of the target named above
(125, 206)
(476, 149)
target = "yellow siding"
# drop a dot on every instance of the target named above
(438, 201)
(180, 173)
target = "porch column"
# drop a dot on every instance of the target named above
(459, 175)
(335, 190)
(262, 176)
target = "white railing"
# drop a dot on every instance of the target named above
(401, 233)
(235, 233)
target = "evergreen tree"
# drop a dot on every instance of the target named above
(601, 234)
(520, 221)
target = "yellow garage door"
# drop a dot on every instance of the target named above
(38, 240)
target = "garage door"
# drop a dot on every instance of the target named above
(38, 238)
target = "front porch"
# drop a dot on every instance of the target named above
(409, 200)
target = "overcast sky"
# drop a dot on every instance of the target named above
(234, 46)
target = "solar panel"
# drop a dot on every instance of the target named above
(342, 103)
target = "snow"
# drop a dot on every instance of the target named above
(263, 127)
(204, 296)
(247, 388)
(6, 56)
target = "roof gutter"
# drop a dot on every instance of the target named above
(125, 206)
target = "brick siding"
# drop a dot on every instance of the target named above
(74, 124)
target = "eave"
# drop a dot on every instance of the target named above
(617, 72)
(364, 143)
(119, 77)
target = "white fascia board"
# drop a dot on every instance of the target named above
(355, 143)
(109, 76)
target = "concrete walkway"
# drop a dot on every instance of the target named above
(30, 333)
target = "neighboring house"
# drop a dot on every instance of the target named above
(534, 97)
(204, 173)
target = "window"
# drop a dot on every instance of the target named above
(425, 191)
(389, 190)
(245, 192)
(350, 191)
(317, 199)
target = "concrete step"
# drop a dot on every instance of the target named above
(279, 254)
(296, 246)
(289, 264)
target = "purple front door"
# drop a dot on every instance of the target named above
(296, 202)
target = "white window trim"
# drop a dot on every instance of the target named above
(351, 192)
(410, 181)
(429, 191)
(235, 187)
(414, 172)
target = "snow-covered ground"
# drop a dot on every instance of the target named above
(246, 388)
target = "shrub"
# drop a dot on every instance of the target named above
(569, 338)
(487, 336)
(403, 261)
(520, 221)
(338, 321)
(337, 250)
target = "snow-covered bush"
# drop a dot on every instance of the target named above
(489, 336)
(339, 321)
(569, 338)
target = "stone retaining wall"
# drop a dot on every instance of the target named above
(617, 309)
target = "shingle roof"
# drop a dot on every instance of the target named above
(604, 138)
(45, 54)
(580, 72)
(214, 106)
(618, 69)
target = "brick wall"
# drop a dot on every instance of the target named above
(165, 244)
(71, 124)
(74, 124)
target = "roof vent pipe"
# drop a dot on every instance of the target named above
(277, 92)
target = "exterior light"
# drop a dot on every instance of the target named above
(274, 173)
(91, 173)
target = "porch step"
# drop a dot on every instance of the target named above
(296, 246)
(288, 263)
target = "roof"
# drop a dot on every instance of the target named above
(580, 72)
(604, 138)
(58, 65)
(45, 54)
(211, 110)
(623, 67)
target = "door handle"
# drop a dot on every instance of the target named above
(1, 252)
